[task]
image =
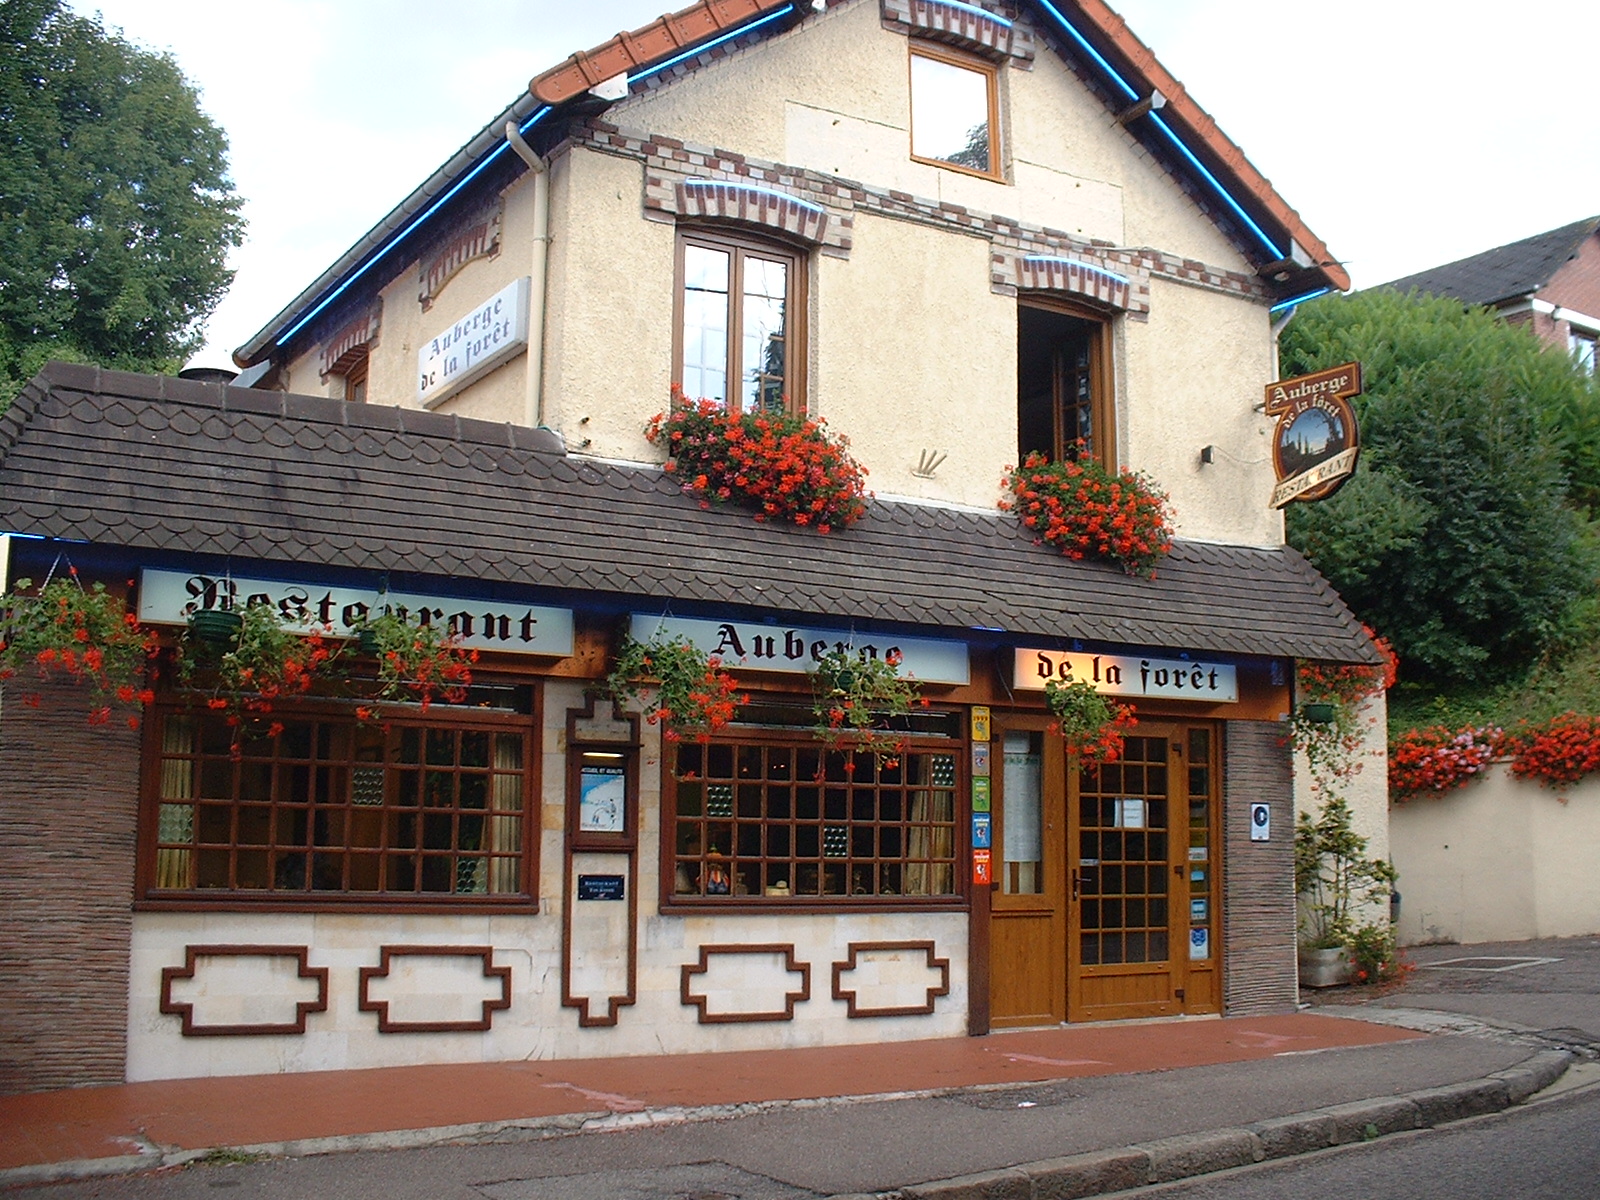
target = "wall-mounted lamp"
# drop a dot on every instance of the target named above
(1208, 454)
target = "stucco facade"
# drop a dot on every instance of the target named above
(454, 414)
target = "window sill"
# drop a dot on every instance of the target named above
(807, 905)
(363, 905)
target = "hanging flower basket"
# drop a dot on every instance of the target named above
(855, 696)
(417, 664)
(693, 694)
(1091, 725)
(784, 467)
(262, 661)
(83, 635)
(216, 626)
(1086, 511)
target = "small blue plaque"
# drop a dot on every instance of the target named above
(601, 887)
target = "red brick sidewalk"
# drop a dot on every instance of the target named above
(266, 1110)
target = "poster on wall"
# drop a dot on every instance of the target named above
(602, 792)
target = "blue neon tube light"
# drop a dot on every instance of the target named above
(1296, 300)
(394, 241)
(1116, 78)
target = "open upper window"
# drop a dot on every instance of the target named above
(739, 321)
(1064, 392)
(955, 110)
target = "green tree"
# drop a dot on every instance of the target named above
(116, 209)
(1458, 538)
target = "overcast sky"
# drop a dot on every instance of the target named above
(1406, 132)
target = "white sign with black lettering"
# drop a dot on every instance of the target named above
(168, 597)
(1129, 675)
(474, 345)
(757, 645)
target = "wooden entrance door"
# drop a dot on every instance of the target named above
(1106, 879)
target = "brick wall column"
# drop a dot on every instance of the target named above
(68, 808)
(1258, 910)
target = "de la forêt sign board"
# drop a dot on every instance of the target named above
(474, 344)
(169, 597)
(1315, 444)
(795, 648)
(1129, 675)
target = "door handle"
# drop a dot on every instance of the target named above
(1077, 884)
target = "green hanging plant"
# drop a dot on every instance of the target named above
(692, 693)
(85, 635)
(263, 660)
(854, 696)
(1091, 724)
(417, 664)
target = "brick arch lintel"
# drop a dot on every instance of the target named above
(758, 207)
(1047, 273)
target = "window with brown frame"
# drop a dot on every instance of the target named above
(1064, 386)
(319, 807)
(740, 321)
(772, 819)
(355, 381)
(955, 110)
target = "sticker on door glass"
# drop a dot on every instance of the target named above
(1199, 943)
(1197, 910)
(1130, 813)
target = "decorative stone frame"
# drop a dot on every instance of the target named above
(840, 969)
(386, 957)
(702, 1002)
(303, 1008)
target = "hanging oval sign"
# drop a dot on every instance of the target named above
(1315, 445)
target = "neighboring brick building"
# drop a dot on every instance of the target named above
(959, 234)
(1549, 282)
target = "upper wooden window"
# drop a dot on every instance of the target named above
(1064, 386)
(955, 111)
(355, 381)
(740, 307)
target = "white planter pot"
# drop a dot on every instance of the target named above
(1324, 968)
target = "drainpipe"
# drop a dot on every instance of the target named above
(1278, 327)
(533, 413)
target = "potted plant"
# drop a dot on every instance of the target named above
(265, 659)
(692, 693)
(1085, 510)
(855, 694)
(83, 635)
(1337, 884)
(1091, 724)
(417, 663)
(785, 467)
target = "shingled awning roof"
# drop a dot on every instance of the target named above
(1506, 272)
(162, 464)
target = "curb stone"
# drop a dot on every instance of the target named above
(1167, 1159)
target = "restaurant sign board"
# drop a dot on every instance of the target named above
(758, 646)
(1315, 443)
(169, 597)
(1129, 675)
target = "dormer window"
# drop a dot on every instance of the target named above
(955, 110)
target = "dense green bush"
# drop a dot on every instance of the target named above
(1459, 538)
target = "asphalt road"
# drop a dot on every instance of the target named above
(1549, 1150)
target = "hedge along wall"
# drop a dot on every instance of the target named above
(1498, 859)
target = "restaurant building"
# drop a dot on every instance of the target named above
(959, 234)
